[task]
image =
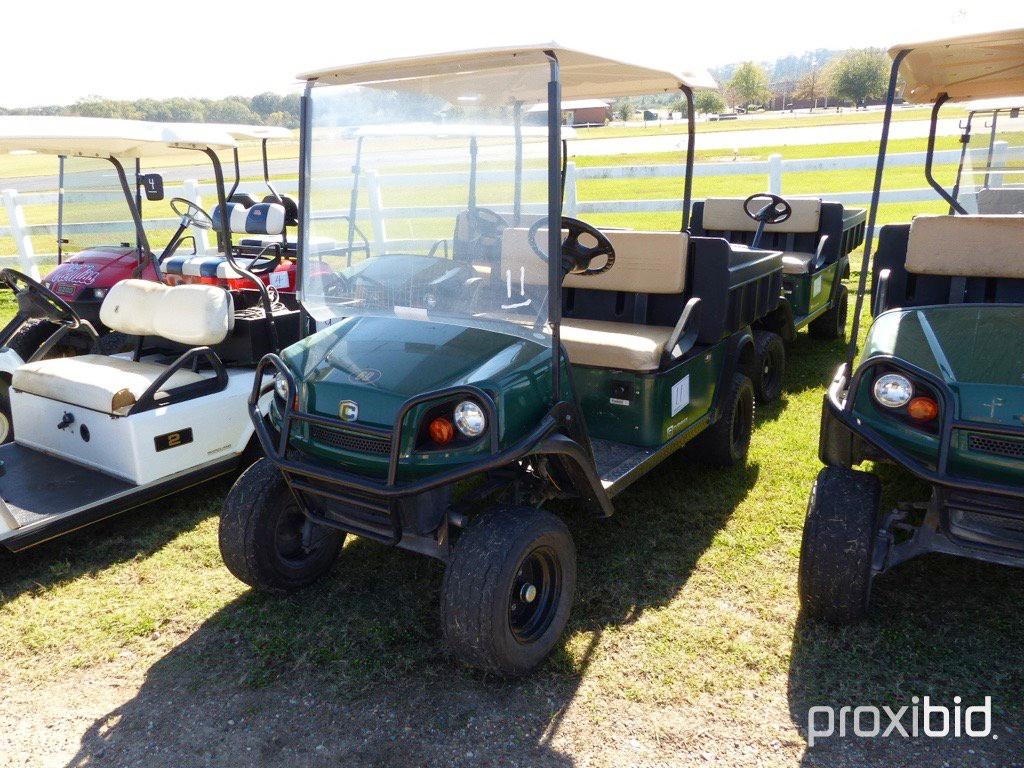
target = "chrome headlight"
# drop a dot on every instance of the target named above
(99, 293)
(281, 386)
(469, 419)
(893, 390)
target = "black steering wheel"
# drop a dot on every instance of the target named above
(37, 301)
(766, 208)
(576, 257)
(263, 264)
(191, 214)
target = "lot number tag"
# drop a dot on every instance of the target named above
(680, 394)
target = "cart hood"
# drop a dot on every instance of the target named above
(978, 350)
(379, 362)
(96, 268)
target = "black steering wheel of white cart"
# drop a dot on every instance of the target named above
(191, 214)
(576, 258)
(35, 300)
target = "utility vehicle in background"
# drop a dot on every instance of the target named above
(939, 389)
(816, 238)
(571, 362)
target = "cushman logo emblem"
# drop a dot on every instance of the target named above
(365, 376)
(348, 410)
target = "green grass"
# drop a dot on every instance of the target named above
(686, 595)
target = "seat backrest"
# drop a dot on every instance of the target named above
(645, 262)
(1001, 200)
(196, 315)
(967, 246)
(726, 214)
(258, 219)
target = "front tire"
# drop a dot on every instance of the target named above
(508, 590)
(838, 544)
(265, 539)
(769, 366)
(832, 324)
(726, 442)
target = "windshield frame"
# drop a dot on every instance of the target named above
(132, 199)
(553, 155)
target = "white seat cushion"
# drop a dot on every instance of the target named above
(188, 314)
(796, 262)
(623, 346)
(106, 384)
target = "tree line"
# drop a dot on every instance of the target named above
(817, 78)
(263, 109)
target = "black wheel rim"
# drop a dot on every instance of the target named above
(296, 540)
(535, 595)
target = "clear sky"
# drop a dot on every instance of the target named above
(58, 51)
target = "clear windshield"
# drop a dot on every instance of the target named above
(421, 197)
(992, 178)
(93, 208)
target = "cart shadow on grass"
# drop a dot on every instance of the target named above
(939, 627)
(137, 534)
(353, 671)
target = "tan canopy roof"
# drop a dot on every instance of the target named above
(980, 66)
(105, 137)
(583, 75)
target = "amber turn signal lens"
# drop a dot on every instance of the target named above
(922, 409)
(441, 431)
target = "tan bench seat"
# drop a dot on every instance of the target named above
(645, 262)
(623, 346)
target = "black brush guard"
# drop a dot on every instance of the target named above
(380, 499)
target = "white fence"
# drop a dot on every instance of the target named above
(773, 170)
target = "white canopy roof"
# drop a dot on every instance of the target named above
(105, 137)
(248, 132)
(583, 75)
(980, 66)
(992, 105)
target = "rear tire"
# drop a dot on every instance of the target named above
(832, 324)
(508, 590)
(838, 545)
(769, 366)
(726, 442)
(265, 539)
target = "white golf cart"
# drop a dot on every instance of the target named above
(99, 434)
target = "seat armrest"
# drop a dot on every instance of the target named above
(819, 255)
(191, 357)
(684, 334)
(881, 292)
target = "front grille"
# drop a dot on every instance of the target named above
(998, 446)
(350, 441)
